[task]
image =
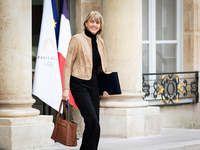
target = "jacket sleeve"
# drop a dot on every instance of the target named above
(70, 58)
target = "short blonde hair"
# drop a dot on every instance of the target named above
(97, 17)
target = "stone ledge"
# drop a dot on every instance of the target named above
(123, 104)
(129, 111)
(124, 100)
(25, 120)
(124, 96)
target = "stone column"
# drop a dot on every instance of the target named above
(191, 42)
(126, 115)
(15, 60)
(123, 41)
(21, 127)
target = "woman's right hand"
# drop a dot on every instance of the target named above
(65, 95)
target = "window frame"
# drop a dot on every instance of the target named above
(152, 42)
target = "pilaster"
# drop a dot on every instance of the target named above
(191, 42)
(15, 60)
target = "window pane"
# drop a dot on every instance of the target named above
(145, 58)
(166, 58)
(145, 20)
(166, 19)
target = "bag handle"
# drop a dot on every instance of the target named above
(64, 110)
(59, 109)
(69, 112)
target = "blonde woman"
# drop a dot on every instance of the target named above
(85, 58)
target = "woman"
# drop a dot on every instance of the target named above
(85, 58)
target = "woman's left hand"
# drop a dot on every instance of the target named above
(105, 94)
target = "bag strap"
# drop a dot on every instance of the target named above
(59, 109)
(69, 111)
(64, 110)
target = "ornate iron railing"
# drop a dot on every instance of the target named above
(171, 88)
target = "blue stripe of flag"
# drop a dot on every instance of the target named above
(64, 9)
(55, 16)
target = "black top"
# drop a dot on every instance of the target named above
(95, 52)
(76, 83)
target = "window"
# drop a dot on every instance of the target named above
(161, 31)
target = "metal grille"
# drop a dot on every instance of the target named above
(172, 88)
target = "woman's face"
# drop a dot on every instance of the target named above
(93, 26)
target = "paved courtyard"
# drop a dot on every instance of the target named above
(169, 139)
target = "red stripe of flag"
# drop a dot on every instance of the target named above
(64, 39)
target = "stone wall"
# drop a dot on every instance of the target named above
(191, 42)
(181, 116)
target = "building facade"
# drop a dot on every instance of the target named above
(141, 36)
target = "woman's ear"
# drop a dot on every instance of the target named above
(86, 24)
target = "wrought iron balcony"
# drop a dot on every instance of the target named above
(172, 88)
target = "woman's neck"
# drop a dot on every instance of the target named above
(89, 34)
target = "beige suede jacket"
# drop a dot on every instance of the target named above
(79, 58)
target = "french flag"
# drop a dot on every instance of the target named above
(64, 39)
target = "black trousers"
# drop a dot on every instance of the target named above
(86, 96)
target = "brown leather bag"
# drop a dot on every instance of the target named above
(64, 130)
